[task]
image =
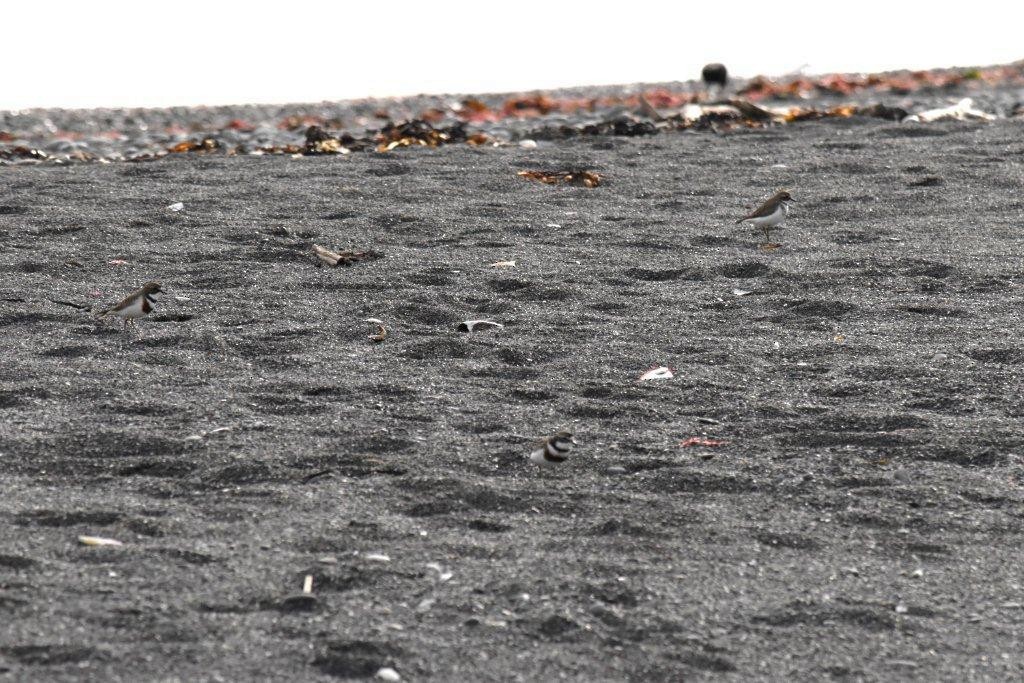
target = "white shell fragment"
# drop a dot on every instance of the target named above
(470, 325)
(442, 574)
(376, 557)
(326, 255)
(98, 540)
(528, 144)
(733, 109)
(741, 292)
(503, 264)
(961, 111)
(307, 584)
(692, 112)
(386, 673)
(176, 206)
(202, 435)
(660, 372)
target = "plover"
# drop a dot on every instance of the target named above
(136, 304)
(715, 77)
(554, 449)
(770, 214)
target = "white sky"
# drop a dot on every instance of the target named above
(185, 52)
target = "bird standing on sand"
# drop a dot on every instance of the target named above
(136, 304)
(715, 77)
(554, 449)
(770, 214)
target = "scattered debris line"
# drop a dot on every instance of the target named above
(574, 176)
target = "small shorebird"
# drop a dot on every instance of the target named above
(715, 77)
(554, 449)
(770, 214)
(135, 305)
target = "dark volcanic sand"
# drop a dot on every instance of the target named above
(864, 521)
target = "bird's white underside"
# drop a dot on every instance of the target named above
(772, 219)
(134, 310)
(538, 457)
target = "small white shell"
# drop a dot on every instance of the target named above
(98, 540)
(660, 372)
(963, 110)
(442, 575)
(176, 206)
(692, 112)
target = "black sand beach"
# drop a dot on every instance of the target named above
(862, 521)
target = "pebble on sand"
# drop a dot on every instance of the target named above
(660, 372)
(99, 541)
(386, 673)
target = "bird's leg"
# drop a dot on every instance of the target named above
(767, 235)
